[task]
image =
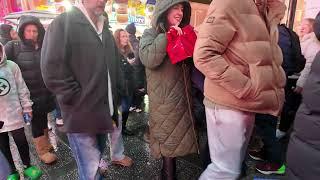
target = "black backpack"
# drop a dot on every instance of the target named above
(293, 60)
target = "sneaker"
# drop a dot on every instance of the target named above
(59, 122)
(280, 134)
(132, 109)
(14, 176)
(271, 168)
(138, 110)
(33, 173)
(126, 162)
(257, 155)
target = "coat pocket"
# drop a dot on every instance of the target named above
(69, 101)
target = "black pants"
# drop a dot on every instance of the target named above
(291, 105)
(39, 123)
(22, 144)
(200, 120)
(266, 126)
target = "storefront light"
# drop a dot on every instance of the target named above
(116, 6)
(67, 4)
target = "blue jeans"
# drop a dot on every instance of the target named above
(88, 150)
(4, 167)
(126, 103)
(57, 112)
(266, 126)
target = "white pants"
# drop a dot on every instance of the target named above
(229, 133)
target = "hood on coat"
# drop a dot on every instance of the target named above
(317, 26)
(5, 31)
(27, 20)
(3, 58)
(162, 6)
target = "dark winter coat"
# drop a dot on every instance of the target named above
(138, 67)
(127, 80)
(75, 64)
(5, 33)
(171, 126)
(293, 60)
(303, 154)
(28, 59)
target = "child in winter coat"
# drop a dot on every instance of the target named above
(14, 103)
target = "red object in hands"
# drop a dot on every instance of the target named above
(181, 47)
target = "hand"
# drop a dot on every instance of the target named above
(178, 29)
(131, 61)
(298, 90)
(29, 113)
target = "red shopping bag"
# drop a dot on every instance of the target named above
(180, 48)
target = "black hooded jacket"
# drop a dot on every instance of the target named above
(24, 53)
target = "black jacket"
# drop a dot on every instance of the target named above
(138, 67)
(293, 60)
(75, 64)
(126, 76)
(28, 58)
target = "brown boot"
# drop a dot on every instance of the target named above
(42, 150)
(48, 144)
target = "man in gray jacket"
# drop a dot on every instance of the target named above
(80, 65)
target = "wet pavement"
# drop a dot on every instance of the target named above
(144, 168)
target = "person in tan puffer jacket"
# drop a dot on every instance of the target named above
(237, 51)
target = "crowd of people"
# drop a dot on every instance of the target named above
(236, 80)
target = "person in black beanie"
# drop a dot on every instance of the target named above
(138, 70)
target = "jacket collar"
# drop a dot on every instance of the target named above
(99, 27)
(79, 17)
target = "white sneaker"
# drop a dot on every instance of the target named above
(59, 122)
(132, 109)
(280, 134)
(138, 110)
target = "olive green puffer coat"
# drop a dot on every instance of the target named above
(171, 126)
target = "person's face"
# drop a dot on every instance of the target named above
(175, 15)
(306, 28)
(14, 34)
(31, 32)
(95, 7)
(124, 40)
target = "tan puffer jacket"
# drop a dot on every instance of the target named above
(240, 56)
(171, 127)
